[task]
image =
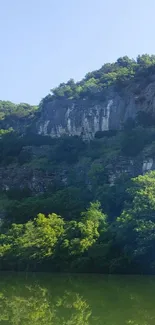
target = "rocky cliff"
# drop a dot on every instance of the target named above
(83, 117)
(86, 117)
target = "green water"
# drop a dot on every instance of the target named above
(49, 299)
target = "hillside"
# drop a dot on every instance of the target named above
(85, 142)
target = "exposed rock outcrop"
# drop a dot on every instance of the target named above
(86, 117)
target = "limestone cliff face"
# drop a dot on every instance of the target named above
(82, 117)
(86, 117)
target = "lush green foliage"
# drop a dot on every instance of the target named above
(45, 239)
(93, 243)
(136, 224)
(48, 232)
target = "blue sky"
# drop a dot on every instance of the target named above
(45, 42)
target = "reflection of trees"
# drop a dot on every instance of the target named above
(72, 309)
(33, 308)
(33, 305)
(91, 300)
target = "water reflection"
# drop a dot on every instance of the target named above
(78, 300)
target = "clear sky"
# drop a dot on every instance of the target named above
(45, 42)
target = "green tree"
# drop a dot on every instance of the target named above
(145, 60)
(136, 225)
(34, 241)
(83, 234)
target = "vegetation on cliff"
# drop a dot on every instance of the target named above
(47, 231)
(47, 219)
(119, 74)
(93, 243)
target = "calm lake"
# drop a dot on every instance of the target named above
(49, 299)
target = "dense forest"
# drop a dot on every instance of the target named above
(98, 213)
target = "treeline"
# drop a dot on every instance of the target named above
(92, 244)
(9, 109)
(118, 74)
